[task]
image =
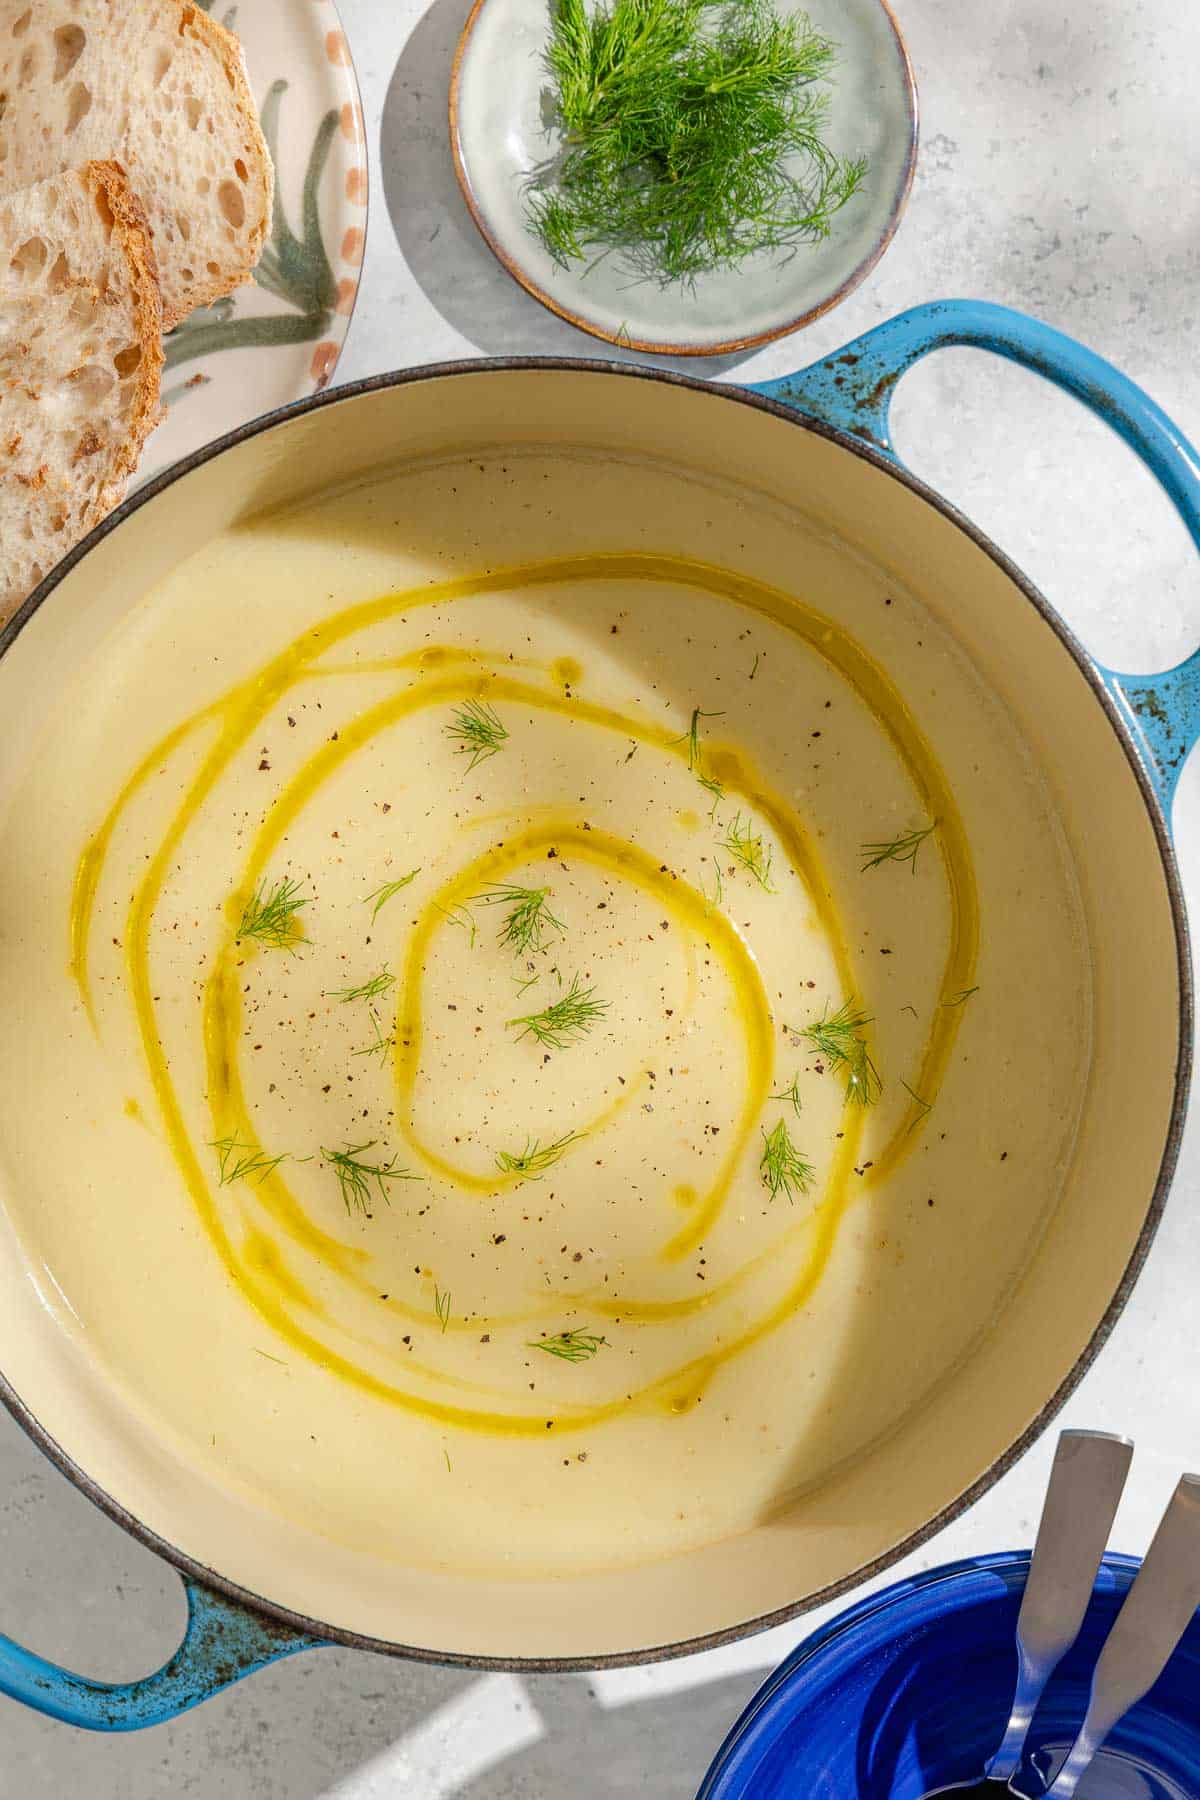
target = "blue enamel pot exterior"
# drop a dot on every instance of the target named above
(908, 1691)
(231, 1632)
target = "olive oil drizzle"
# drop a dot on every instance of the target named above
(253, 1261)
(91, 864)
(625, 860)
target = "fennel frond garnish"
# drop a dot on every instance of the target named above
(528, 917)
(898, 849)
(477, 732)
(356, 1176)
(239, 1162)
(382, 1042)
(747, 847)
(532, 1162)
(566, 1020)
(369, 990)
(381, 895)
(840, 1037)
(791, 1095)
(269, 916)
(781, 1165)
(571, 1346)
(693, 136)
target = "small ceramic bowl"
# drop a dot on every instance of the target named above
(910, 1690)
(500, 134)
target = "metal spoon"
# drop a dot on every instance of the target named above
(1081, 1502)
(1157, 1611)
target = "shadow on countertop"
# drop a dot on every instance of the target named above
(325, 1725)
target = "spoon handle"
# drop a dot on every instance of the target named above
(1081, 1502)
(1156, 1613)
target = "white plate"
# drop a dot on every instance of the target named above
(279, 337)
(499, 135)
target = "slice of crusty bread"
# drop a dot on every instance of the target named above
(161, 88)
(80, 359)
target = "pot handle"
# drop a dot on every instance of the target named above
(223, 1641)
(852, 389)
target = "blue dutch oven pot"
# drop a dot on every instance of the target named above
(1113, 743)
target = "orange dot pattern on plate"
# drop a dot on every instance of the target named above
(356, 186)
(324, 361)
(346, 291)
(337, 49)
(352, 245)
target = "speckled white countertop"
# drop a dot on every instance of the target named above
(1057, 174)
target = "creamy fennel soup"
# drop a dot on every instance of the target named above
(518, 1043)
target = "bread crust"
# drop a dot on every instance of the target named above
(63, 494)
(126, 88)
(131, 228)
(229, 53)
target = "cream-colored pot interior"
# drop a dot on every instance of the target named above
(710, 638)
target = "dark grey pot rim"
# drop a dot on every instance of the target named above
(198, 1572)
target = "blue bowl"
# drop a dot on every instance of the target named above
(910, 1690)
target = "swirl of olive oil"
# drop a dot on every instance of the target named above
(256, 1263)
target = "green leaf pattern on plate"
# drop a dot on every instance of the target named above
(295, 269)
